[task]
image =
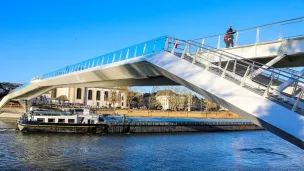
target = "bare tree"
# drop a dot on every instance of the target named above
(129, 94)
(119, 96)
(153, 102)
(188, 100)
(113, 97)
(202, 103)
(175, 97)
(140, 100)
(210, 105)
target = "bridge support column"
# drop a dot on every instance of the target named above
(28, 105)
(85, 97)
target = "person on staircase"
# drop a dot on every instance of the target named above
(228, 39)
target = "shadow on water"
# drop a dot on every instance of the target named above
(264, 151)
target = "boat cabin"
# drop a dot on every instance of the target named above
(66, 116)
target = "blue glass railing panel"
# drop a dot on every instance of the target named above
(22, 86)
(145, 48)
(160, 44)
(132, 52)
(149, 48)
(140, 50)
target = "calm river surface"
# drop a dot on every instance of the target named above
(255, 150)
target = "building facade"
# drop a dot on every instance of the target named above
(95, 97)
(170, 100)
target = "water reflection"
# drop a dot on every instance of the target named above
(191, 151)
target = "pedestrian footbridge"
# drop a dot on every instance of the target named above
(248, 88)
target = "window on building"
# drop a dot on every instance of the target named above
(106, 96)
(122, 104)
(78, 93)
(98, 104)
(98, 95)
(90, 96)
(54, 93)
(122, 98)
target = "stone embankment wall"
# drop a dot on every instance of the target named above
(13, 108)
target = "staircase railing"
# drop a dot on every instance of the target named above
(242, 72)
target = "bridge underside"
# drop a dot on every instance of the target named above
(150, 81)
(294, 60)
(134, 72)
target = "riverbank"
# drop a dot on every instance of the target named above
(176, 114)
(10, 115)
(17, 112)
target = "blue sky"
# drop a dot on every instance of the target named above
(37, 37)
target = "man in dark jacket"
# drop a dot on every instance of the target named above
(230, 37)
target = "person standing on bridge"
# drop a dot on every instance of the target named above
(229, 37)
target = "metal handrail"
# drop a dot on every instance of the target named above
(255, 27)
(259, 30)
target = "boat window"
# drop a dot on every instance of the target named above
(61, 120)
(78, 110)
(51, 120)
(40, 119)
(71, 121)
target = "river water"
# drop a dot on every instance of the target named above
(250, 150)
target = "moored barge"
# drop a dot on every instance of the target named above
(81, 121)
